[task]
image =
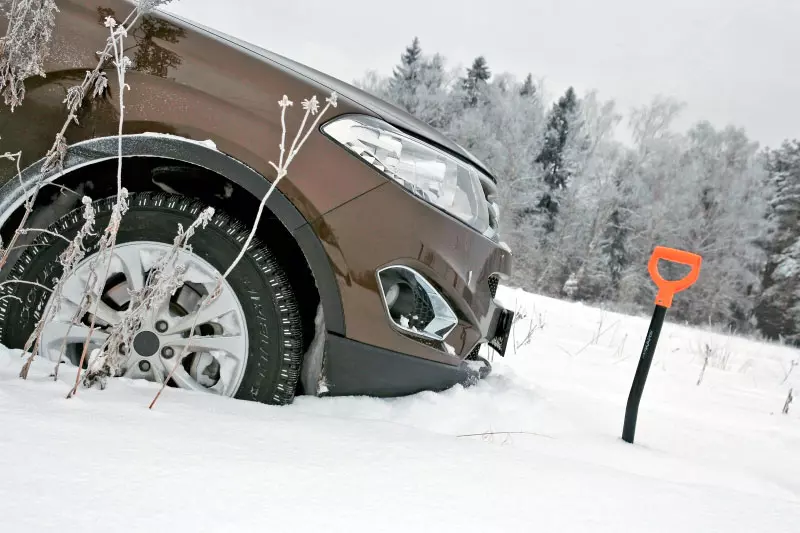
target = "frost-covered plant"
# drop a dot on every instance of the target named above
(118, 32)
(27, 41)
(25, 46)
(311, 106)
(95, 84)
(166, 277)
(69, 259)
(5, 250)
(93, 289)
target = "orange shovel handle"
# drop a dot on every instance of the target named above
(667, 289)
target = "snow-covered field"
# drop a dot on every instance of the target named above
(714, 457)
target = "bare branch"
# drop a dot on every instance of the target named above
(69, 259)
(25, 231)
(118, 32)
(24, 282)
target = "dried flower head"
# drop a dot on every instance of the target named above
(285, 102)
(333, 99)
(311, 105)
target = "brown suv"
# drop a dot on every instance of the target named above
(374, 271)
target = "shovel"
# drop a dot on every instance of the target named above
(666, 290)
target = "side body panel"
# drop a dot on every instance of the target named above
(188, 83)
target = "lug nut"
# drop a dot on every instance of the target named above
(161, 326)
(167, 352)
(144, 366)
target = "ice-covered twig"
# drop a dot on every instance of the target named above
(69, 259)
(103, 257)
(24, 282)
(17, 158)
(311, 108)
(25, 231)
(118, 32)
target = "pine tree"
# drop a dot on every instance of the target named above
(477, 77)
(528, 90)
(555, 175)
(406, 77)
(552, 155)
(432, 97)
(409, 62)
(778, 311)
(615, 237)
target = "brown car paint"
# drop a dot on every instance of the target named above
(192, 84)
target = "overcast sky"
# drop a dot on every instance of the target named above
(730, 61)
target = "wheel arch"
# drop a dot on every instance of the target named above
(198, 154)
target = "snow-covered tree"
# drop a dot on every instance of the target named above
(528, 88)
(555, 176)
(558, 129)
(406, 77)
(778, 310)
(583, 211)
(475, 82)
(723, 184)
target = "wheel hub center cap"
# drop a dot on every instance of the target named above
(146, 343)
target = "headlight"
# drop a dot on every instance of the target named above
(430, 173)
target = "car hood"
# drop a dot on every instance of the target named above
(393, 115)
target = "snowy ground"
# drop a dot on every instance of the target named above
(714, 457)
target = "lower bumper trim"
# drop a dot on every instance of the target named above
(356, 369)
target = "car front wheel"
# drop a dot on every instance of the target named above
(247, 344)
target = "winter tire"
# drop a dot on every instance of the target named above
(263, 322)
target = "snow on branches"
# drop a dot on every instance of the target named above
(24, 47)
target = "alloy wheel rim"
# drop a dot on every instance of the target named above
(217, 353)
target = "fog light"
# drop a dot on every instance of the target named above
(414, 305)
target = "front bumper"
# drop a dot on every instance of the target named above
(386, 227)
(390, 227)
(356, 369)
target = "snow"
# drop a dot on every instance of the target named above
(208, 143)
(714, 457)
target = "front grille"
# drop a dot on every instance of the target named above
(494, 282)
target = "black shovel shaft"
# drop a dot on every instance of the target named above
(646, 359)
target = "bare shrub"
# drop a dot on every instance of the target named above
(714, 354)
(530, 321)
